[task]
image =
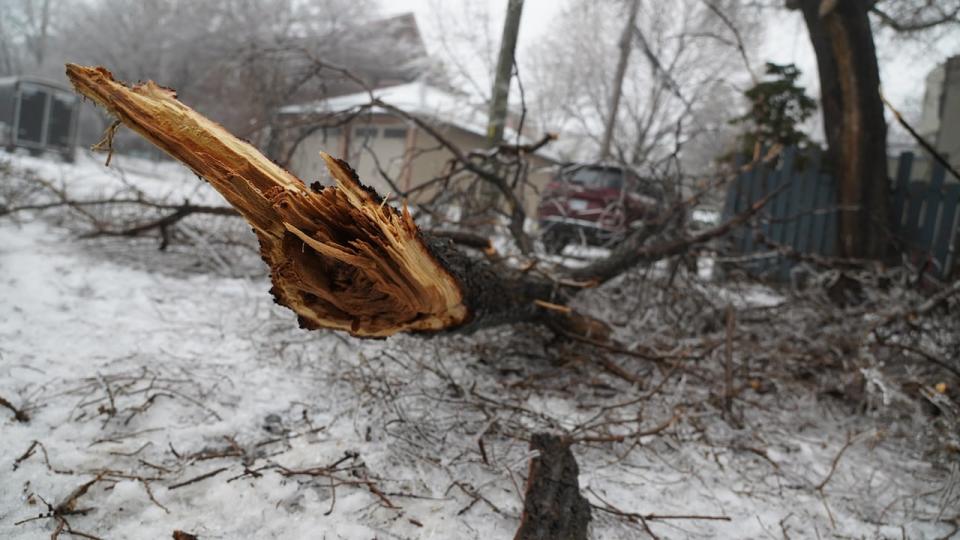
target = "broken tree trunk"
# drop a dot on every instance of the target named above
(339, 257)
(553, 508)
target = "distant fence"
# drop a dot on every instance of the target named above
(802, 217)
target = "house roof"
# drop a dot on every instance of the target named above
(404, 29)
(419, 99)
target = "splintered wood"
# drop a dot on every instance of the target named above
(339, 256)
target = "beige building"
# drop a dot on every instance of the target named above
(392, 154)
(940, 118)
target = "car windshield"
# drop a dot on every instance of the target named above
(597, 178)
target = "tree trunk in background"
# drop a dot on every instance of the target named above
(853, 120)
(501, 83)
(41, 51)
(487, 195)
(626, 42)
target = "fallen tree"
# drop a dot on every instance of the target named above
(341, 258)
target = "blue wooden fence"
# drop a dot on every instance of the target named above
(802, 216)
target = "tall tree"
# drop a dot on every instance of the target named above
(681, 60)
(501, 84)
(497, 118)
(856, 130)
(626, 45)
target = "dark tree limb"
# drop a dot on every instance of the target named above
(186, 208)
(18, 414)
(553, 508)
(464, 238)
(920, 140)
(178, 213)
(919, 24)
(340, 257)
(634, 249)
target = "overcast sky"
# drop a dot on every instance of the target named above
(903, 67)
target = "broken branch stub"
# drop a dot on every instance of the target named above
(339, 257)
(553, 508)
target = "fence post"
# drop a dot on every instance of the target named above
(931, 208)
(946, 242)
(777, 209)
(901, 190)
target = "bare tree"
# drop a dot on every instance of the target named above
(501, 84)
(853, 112)
(682, 57)
(853, 120)
(625, 46)
(25, 34)
(237, 61)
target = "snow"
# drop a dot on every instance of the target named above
(86, 339)
(417, 98)
(704, 215)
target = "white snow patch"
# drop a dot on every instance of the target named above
(151, 376)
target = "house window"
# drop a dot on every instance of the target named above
(394, 133)
(365, 132)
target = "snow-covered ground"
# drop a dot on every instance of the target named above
(198, 405)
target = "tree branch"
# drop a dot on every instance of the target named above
(951, 17)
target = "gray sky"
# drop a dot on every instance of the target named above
(903, 67)
(535, 20)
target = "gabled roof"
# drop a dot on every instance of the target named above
(404, 29)
(417, 98)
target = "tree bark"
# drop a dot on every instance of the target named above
(487, 195)
(856, 131)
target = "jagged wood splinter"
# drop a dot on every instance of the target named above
(339, 257)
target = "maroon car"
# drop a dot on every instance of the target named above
(595, 204)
